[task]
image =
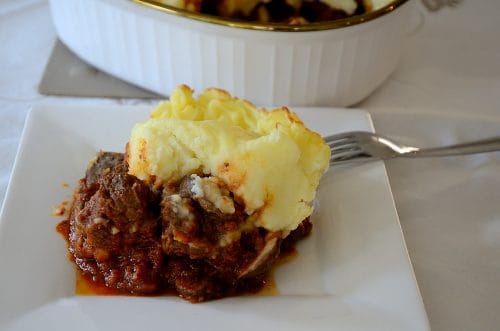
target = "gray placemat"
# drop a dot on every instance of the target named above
(66, 74)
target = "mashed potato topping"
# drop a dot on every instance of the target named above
(269, 161)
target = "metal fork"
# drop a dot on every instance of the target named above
(366, 146)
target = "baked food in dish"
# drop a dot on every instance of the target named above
(289, 11)
(207, 194)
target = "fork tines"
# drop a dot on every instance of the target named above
(344, 147)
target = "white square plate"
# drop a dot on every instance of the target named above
(352, 273)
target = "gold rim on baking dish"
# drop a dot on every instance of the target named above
(235, 23)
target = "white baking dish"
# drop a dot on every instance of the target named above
(325, 64)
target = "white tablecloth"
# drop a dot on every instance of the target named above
(447, 89)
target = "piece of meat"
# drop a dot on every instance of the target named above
(192, 226)
(114, 234)
(102, 163)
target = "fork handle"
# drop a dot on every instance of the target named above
(479, 146)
